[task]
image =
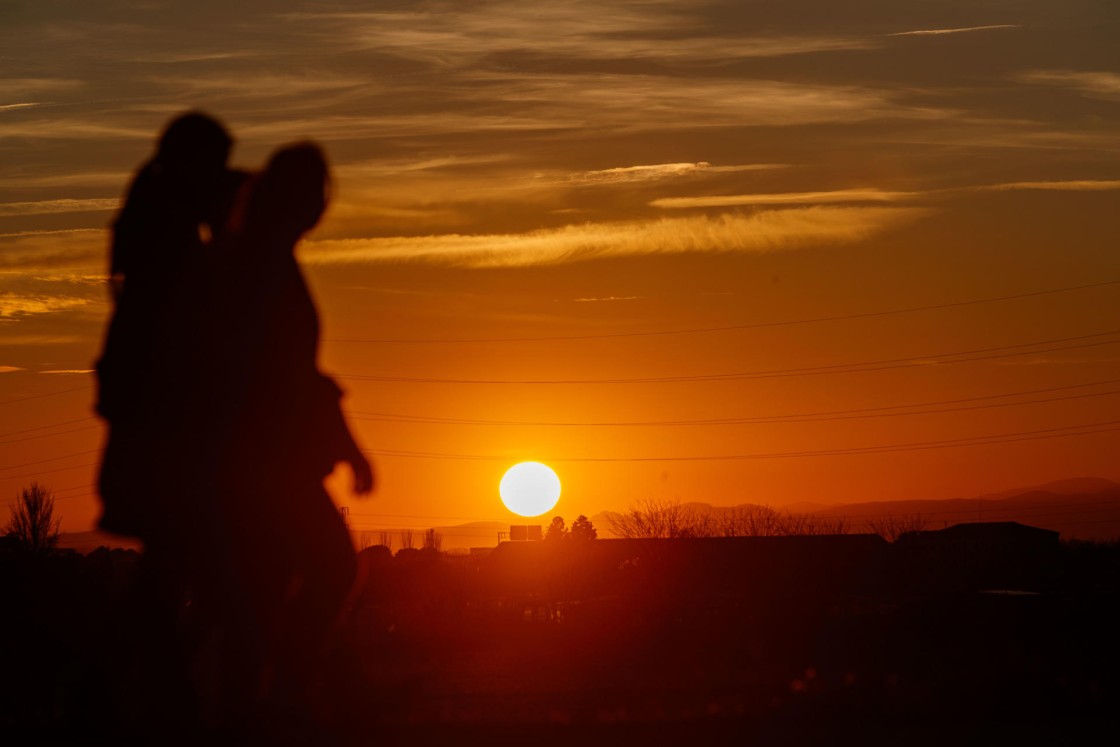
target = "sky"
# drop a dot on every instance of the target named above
(733, 252)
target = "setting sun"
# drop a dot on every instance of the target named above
(529, 488)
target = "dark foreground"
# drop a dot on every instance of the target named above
(545, 649)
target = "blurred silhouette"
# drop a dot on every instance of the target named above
(178, 200)
(222, 430)
(287, 560)
(181, 195)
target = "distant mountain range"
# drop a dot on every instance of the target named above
(1079, 508)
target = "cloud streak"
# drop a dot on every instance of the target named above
(727, 233)
(964, 30)
(786, 198)
(449, 36)
(13, 305)
(1094, 84)
(1080, 185)
(48, 207)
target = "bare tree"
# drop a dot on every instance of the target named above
(653, 518)
(891, 527)
(365, 540)
(433, 540)
(406, 539)
(660, 519)
(33, 523)
(386, 538)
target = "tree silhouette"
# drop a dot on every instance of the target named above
(433, 540)
(583, 529)
(33, 524)
(556, 530)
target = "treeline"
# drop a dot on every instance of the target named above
(662, 519)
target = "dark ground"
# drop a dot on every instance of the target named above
(434, 653)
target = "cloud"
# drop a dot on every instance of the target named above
(10, 369)
(69, 371)
(16, 87)
(1082, 185)
(966, 29)
(79, 250)
(1098, 84)
(656, 172)
(786, 198)
(730, 232)
(44, 207)
(68, 179)
(641, 173)
(582, 30)
(16, 305)
(607, 298)
(72, 129)
(27, 105)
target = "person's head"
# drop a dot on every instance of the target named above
(292, 192)
(194, 142)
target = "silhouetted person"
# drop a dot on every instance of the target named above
(290, 559)
(177, 200)
(180, 196)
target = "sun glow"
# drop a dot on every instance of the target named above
(529, 488)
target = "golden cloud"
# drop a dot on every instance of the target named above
(1077, 185)
(731, 232)
(966, 29)
(45, 207)
(15, 305)
(785, 198)
(1095, 84)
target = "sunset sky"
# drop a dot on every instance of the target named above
(736, 251)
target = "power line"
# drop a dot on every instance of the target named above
(1045, 433)
(727, 328)
(870, 412)
(47, 435)
(48, 394)
(47, 471)
(52, 459)
(964, 356)
(44, 427)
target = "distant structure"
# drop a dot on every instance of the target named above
(522, 533)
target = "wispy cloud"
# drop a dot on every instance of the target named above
(16, 305)
(453, 35)
(17, 87)
(659, 171)
(44, 207)
(963, 30)
(1095, 84)
(69, 371)
(607, 298)
(48, 252)
(653, 172)
(1080, 185)
(10, 369)
(785, 198)
(73, 129)
(27, 105)
(731, 232)
(68, 179)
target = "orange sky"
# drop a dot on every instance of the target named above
(721, 197)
